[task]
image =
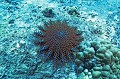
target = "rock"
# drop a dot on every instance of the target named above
(96, 74)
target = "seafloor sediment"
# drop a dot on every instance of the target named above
(99, 55)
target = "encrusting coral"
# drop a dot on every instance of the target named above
(102, 59)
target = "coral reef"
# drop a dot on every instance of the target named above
(94, 59)
(101, 59)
